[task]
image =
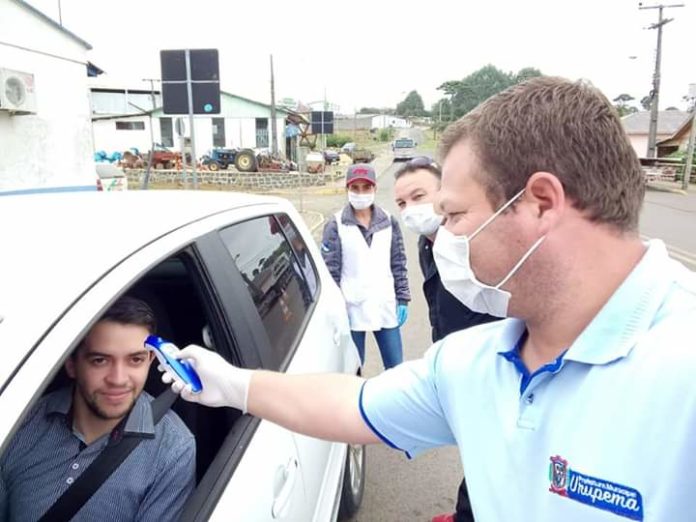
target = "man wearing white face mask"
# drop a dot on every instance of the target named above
(363, 248)
(580, 405)
(415, 190)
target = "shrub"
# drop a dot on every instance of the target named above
(337, 140)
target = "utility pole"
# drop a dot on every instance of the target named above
(690, 149)
(146, 181)
(274, 128)
(655, 94)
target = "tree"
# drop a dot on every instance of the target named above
(412, 105)
(527, 73)
(480, 85)
(623, 104)
(646, 102)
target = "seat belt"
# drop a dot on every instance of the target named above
(70, 502)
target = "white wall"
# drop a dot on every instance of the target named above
(640, 143)
(383, 121)
(54, 146)
(110, 139)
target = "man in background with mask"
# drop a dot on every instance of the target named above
(578, 407)
(415, 192)
(363, 248)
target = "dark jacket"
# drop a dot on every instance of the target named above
(331, 247)
(447, 313)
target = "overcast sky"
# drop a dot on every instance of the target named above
(371, 53)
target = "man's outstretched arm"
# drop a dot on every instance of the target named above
(322, 405)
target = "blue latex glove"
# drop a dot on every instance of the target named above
(401, 313)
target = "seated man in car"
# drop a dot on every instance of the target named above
(68, 428)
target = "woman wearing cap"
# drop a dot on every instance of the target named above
(364, 251)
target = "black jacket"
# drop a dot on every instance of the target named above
(447, 313)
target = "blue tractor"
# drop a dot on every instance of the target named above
(243, 159)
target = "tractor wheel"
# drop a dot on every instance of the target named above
(214, 166)
(245, 161)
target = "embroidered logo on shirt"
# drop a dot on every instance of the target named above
(621, 500)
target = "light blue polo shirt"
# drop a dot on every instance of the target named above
(607, 432)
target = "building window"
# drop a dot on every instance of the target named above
(130, 125)
(218, 132)
(262, 133)
(166, 132)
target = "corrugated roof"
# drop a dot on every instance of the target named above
(668, 122)
(52, 22)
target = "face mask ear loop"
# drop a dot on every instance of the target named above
(519, 263)
(496, 214)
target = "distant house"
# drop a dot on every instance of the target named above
(45, 119)
(242, 123)
(370, 121)
(637, 126)
(677, 141)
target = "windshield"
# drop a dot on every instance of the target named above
(403, 144)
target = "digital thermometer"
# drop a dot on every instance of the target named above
(181, 370)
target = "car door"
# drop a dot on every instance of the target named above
(303, 318)
(251, 277)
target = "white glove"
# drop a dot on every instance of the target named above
(223, 383)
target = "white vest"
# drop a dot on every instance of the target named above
(367, 282)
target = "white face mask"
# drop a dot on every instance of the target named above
(453, 261)
(361, 201)
(421, 219)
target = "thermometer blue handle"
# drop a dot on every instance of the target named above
(180, 370)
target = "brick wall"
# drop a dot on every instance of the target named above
(243, 181)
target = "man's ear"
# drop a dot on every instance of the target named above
(546, 194)
(70, 365)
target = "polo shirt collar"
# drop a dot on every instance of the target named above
(628, 313)
(626, 316)
(138, 422)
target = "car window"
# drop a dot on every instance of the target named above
(279, 275)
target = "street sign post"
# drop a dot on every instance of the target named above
(190, 85)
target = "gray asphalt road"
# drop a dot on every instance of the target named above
(672, 217)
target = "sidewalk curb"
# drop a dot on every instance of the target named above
(658, 188)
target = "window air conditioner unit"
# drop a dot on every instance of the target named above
(17, 94)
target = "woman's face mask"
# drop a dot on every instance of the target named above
(421, 219)
(453, 259)
(361, 201)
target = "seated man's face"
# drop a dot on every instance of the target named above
(110, 368)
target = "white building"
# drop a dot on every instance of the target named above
(370, 121)
(384, 121)
(242, 123)
(48, 143)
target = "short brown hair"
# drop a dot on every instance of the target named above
(569, 129)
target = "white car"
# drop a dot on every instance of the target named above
(208, 265)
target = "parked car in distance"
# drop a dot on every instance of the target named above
(238, 273)
(110, 177)
(331, 156)
(348, 147)
(404, 149)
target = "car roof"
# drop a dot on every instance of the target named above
(55, 246)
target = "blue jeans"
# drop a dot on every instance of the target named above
(389, 342)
